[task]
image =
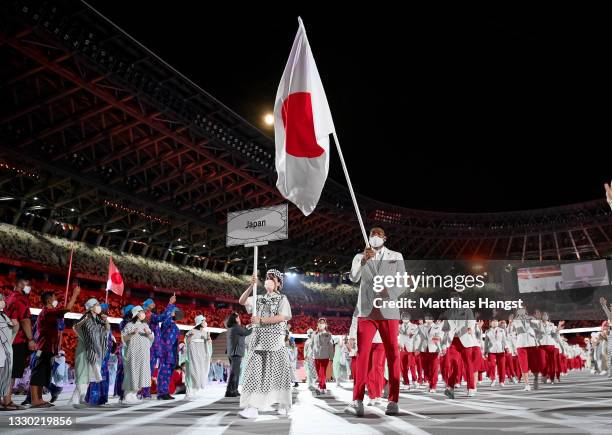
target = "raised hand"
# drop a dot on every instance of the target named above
(608, 188)
(173, 299)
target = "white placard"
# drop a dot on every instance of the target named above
(257, 225)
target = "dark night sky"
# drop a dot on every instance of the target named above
(440, 110)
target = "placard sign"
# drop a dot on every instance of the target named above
(257, 225)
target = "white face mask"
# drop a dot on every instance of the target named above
(54, 303)
(97, 309)
(494, 324)
(27, 289)
(2, 305)
(270, 285)
(376, 241)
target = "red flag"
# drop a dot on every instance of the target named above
(114, 282)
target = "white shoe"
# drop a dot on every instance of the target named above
(471, 393)
(527, 388)
(355, 408)
(432, 390)
(282, 411)
(502, 385)
(514, 381)
(493, 383)
(131, 399)
(602, 373)
(249, 412)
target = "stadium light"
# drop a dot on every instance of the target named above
(269, 119)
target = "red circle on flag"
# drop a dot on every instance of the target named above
(116, 278)
(300, 138)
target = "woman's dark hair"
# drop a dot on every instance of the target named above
(46, 296)
(231, 320)
(134, 319)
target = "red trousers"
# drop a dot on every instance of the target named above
(376, 371)
(408, 361)
(509, 365)
(419, 368)
(431, 366)
(499, 360)
(548, 361)
(353, 367)
(529, 359)
(462, 359)
(321, 366)
(366, 330)
(557, 363)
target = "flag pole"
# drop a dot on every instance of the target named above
(255, 255)
(350, 186)
(68, 281)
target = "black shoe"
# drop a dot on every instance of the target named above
(26, 402)
(448, 393)
(295, 385)
(53, 398)
(165, 397)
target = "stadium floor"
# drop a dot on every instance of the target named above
(581, 404)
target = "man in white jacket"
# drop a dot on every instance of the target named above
(527, 347)
(428, 344)
(407, 333)
(377, 311)
(495, 352)
(464, 350)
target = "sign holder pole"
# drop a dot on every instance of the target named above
(255, 246)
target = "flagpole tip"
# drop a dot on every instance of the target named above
(300, 22)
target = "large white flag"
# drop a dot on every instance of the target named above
(302, 125)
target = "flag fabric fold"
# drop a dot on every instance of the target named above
(114, 281)
(302, 125)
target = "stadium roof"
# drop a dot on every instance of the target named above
(104, 138)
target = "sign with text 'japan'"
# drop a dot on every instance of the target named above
(264, 224)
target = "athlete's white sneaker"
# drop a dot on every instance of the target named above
(249, 412)
(527, 388)
(471, 393)
(493, 383)
(502, 384)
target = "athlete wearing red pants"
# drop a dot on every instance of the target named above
(427, 343)
(323, 351)
(546, 334)
(464, 350)
(407, 333)
(526, 347)
(376, 311)
(495, 352)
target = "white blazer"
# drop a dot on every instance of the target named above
(462, 324)
(495, 340)
(546, 334)
(407, 335)
(386, 263)
(523, 327)
(424, 341)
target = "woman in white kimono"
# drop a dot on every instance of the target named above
(199, 352)
(138, 339)
(267, 376)
(92, 335)
(8, 331)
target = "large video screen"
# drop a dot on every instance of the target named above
(555, 277)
